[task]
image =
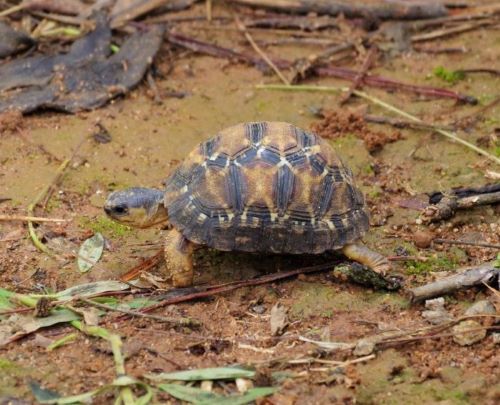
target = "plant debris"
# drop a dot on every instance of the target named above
(85, 78)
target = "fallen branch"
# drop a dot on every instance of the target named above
(25, 218)
(469, 277)
(462, 192)
(383, 104)
(447, 207)
(385, 10)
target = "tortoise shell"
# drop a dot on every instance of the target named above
(266, 187)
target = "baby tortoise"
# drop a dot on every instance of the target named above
(266, 187)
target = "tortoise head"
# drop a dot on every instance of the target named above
(137, 206)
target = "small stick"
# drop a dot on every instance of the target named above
(154, 87)
(429, 36)
(495, 72)
(210, 291)
(378, 119)
(458, 242)
(189, 322)
(385, 83)
(31, 208)
(383, 104)
(13, 9)
(302, 70)
(257, 49)
(143, 266)
(208, 7)
(447, 207)
(30, 218)
(358, 79)
(468, 277)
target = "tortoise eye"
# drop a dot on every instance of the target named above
(120, 209)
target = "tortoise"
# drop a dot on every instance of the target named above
(267, 187)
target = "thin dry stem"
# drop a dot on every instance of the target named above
(25, 218)
(257, 49)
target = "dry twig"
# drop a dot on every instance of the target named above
(468, 277)
(257, 49)
(448, 205)
(25, 218)
(369, 59)
(458, 242)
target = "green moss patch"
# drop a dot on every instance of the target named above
(105, 226)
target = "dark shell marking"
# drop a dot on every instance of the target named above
(266, 187)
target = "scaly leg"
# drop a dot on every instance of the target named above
(178, 259)
(363, 255)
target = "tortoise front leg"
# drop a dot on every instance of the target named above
(178, 259)
(360, 253)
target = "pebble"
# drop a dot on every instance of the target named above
(496, 338)
(464, 337)
(480, 308)
(364, 347)
(437, 317)
(435, 304)
(423, 239)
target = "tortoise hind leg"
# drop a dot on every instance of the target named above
(178, 259)
(369, 258)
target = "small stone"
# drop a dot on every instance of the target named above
(243, 384)
(496, 338)
(423, 239)
(483, 307)
(435, 304)
(364, 347)
(437, 317)
(259, 309)
(278, 319)
(468, 332)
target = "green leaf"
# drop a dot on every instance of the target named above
(56, 316)
(138, 303)
(90, 252)
(43, 395)
(190, 394)
(219, 373)
(5, 303)
(85, 290)
(497, 261)
(61, 342)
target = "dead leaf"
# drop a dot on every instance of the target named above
(42, 341)
(91, 316)
(90, 252)
(278, 319)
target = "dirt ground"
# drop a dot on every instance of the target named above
(149, 139)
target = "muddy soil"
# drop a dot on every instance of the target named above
(147, 142)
